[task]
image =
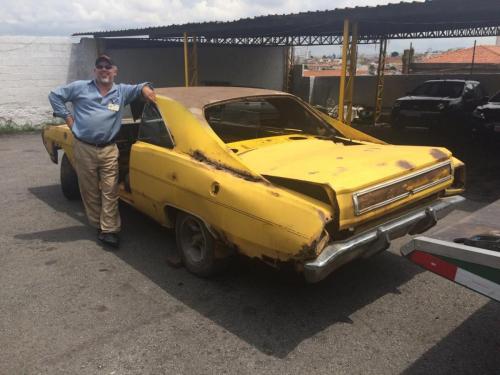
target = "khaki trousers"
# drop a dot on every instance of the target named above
(97, 170)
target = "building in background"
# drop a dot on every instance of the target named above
(481, 59)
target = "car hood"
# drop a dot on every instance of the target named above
(490, 106)
(345, 168)
(436, 99)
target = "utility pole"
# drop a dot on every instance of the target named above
(473, 58)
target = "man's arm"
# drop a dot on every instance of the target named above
(148, 93)
(132, 92)
(58, 99)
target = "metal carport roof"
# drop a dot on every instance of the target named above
(428, 19)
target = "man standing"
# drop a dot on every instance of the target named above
(96, 119)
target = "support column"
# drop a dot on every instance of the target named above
(345, 47)
(380, 81)
(194, 63)
(186, 61)
(353, 65)
(289, 54)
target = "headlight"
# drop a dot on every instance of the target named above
(441, 106)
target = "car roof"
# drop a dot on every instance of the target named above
(451, 80)
(200, 96)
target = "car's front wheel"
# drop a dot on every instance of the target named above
(197, 246)
(69, 180)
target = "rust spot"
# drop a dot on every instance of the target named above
(313, 172)
(307, 251)
(200, 156)
(438, 154)
(174, 176)
(405, 164)
(274, 193)
(340, 158)
(322, 216)
(383, 164)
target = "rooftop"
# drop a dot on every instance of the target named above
(486, 54)
(417, 19)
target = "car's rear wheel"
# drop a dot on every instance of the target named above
(69, 180)
(197, 246)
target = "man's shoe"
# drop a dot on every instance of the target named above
(110, 239)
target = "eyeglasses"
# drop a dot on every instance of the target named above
(107, 67)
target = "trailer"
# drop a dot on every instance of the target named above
(467, 253)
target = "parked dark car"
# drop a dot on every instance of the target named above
(486, 118)
(438, 103)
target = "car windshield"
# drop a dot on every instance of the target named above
(260, 117)
(440, 89)
(496, 98)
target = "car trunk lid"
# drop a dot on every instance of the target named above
(357, 173)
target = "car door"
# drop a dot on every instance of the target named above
(151, 164)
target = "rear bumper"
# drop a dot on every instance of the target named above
(377, 239)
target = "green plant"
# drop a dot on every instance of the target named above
(11, 127)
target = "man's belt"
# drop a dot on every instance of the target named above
(99, 145)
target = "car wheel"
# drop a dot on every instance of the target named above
(69, 180)
(197, 246)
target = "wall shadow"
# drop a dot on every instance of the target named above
(472, 348)
(272, 311)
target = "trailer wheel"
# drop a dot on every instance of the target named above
(196, 246)
(69, 180)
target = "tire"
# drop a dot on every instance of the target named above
(196, 246)
(69, 180)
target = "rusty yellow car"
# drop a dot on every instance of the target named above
(263, 174)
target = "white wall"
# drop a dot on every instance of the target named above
(31, 66)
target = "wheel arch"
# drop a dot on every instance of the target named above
(171, 212)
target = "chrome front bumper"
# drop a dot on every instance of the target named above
(377, 239)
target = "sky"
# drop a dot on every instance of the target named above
(62, 17)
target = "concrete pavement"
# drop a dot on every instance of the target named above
(69, 306)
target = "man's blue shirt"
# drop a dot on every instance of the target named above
(97, 118)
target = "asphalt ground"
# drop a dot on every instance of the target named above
(69, 306)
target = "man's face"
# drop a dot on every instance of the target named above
(105, 73)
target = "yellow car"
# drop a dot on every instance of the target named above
(263, 174)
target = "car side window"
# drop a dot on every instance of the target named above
(153, 129)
